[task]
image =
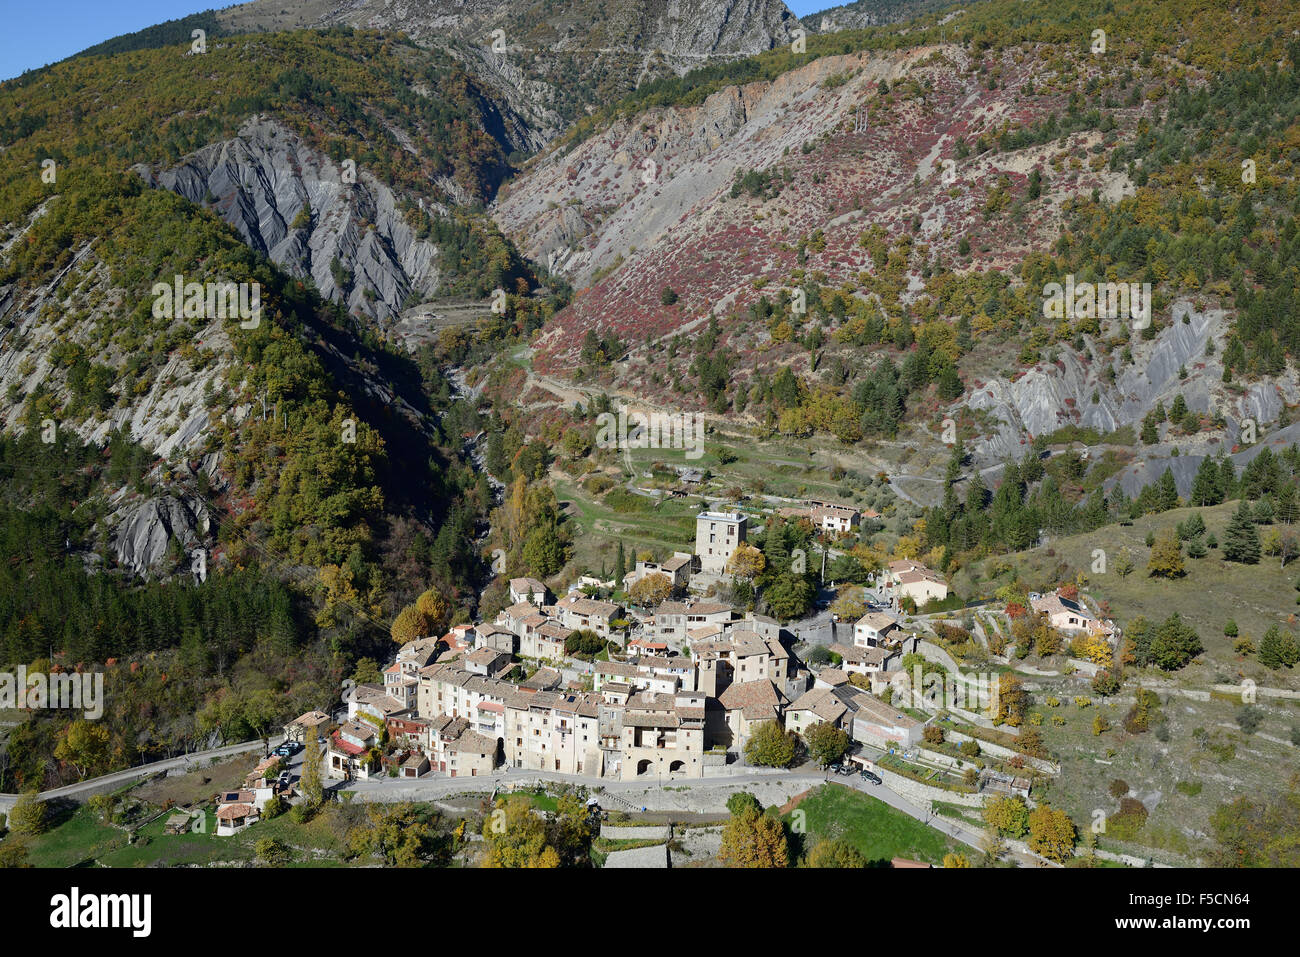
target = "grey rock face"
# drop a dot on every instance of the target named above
(141, 538)
(624, 41)
(674, 27)
(290, 202)
(1049, 396)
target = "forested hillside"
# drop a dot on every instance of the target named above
(324, 465)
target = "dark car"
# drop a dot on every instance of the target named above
(872, 777)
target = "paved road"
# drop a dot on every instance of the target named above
(109, 782)
(650, 795)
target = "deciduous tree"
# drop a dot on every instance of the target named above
(754, 840)
(770, 745)
(1051, 833)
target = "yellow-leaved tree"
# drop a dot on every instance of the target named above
(746, 562)
(753, 839)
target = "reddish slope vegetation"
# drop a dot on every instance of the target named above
(863, 150)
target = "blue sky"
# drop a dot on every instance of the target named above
(804, 7)
(37, 32)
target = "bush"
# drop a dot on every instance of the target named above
(1125, 825)
(1118, 788)
(28, 815)
(742, 802)
(1145, 708)
(271, 851)
(1249, 718)
(1106, 683)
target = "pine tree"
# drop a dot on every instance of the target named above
(1278, 649)
(1175, 644)
(1241, 539)
(1167, 492)
(955, 462)
(1149, 434)
(1205, 487)
(1286, 504)
(1227, 479)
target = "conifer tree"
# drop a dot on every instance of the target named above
(1241, 539)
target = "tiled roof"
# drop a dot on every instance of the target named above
(822, 703)
(753, 699)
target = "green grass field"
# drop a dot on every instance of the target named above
(82, 839)
(880, 832)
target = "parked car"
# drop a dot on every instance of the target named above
(836, 767)
(845, 769)
(871, 776)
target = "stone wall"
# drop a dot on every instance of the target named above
(923, 794)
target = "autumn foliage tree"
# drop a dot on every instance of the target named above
(1013, 700)
(746, 562)
(1051, 833)
(84, 745)
(1008, 816)
(751, 839)
(428, 615)
(836, 853)
(651, 589)
(1166, 556)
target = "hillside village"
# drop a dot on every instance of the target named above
(685, 688)
(655, 434)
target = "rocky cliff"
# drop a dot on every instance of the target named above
(551, 62)
(291, 203)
